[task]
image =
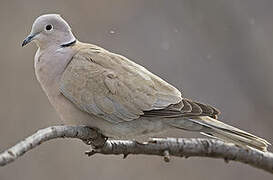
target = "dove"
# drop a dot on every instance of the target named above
(89, 85)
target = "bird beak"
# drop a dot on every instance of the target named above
(28, 39)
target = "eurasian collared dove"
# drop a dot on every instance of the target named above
(88, 85)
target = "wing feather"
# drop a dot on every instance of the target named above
(114, 88)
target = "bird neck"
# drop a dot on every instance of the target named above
(60, 39)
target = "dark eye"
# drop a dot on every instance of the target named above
(48, 27)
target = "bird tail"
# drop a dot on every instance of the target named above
(219, 130)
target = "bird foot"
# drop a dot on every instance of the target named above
(96, 145)
(97, 141)
(92, 152)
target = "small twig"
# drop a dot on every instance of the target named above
(166, 155)
(162, 147)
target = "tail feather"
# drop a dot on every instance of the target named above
(216, 129)
(228, 133)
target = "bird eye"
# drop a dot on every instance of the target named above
(48, 27)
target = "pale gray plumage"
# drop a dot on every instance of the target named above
(88, 85)
(104, 84)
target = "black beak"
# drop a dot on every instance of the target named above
(28, 40)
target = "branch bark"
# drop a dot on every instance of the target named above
(158, 146)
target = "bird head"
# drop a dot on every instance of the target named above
(48, 30)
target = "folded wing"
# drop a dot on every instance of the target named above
(114, 88)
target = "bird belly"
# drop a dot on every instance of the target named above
(141, 128)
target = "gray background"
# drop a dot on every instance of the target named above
(215, 51)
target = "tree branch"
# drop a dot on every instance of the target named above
(158, 146)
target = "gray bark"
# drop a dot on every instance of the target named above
(165, 147)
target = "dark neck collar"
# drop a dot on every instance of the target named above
(69, 44)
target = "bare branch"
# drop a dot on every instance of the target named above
(162, 147)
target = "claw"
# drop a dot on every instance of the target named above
(91, 152)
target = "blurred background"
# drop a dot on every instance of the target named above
(215, 51)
